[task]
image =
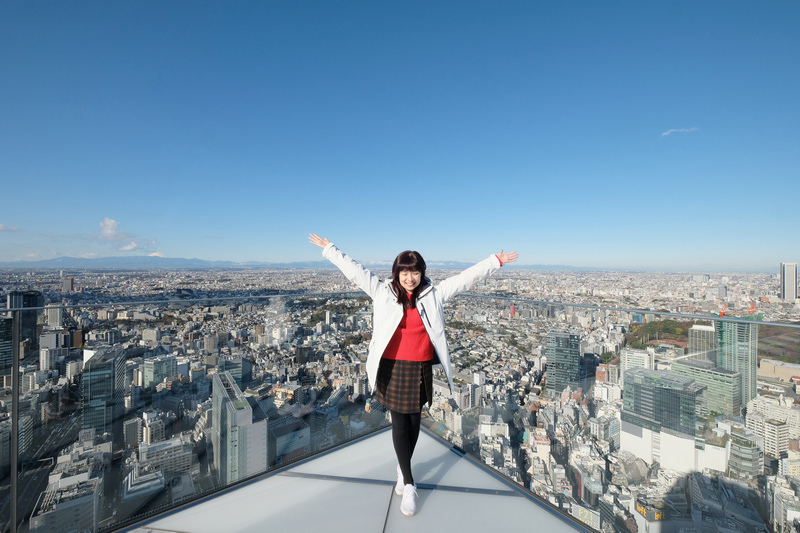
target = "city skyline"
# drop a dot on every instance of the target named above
(654, 137)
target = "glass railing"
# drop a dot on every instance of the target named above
(617, 417)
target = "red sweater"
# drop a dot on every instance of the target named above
(410, 341)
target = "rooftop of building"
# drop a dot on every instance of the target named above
(706, 365)
(351, 488)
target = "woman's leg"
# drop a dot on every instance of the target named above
(405, 433)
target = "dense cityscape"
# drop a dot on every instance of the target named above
(634, 401)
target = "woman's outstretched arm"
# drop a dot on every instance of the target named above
(466, 279)
(366, 280)
(316, 240)
(510, 257)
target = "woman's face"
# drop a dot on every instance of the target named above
(409, 279)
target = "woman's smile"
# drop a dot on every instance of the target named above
(410, 279)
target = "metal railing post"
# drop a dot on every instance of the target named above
(16, 324)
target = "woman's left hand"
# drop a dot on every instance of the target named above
(510, 257)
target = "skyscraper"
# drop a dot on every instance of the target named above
(28, 319)
(563, 360)
(55, 315)
(239, 431)
(724, 386)
(631, 358)
(703, 343)
(103, 387)
(663, 399)
(156, 369)
(789, 281)
(738, 348)
(6, 346)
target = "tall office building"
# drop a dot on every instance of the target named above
(662, 413)
(28, 319)
(6, 346)
(789, 281)
(156, 369)
(68, 284)
(103, 388)
(724, 386)
(663, 399)
(241, 368)
(631, 358)
(703, 343)
(563, 360)
(738, 348)
(54, 313)
(239, 431)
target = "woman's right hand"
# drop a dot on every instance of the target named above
(316, 240)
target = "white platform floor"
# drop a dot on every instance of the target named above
(352, 489)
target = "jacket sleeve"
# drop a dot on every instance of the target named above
(366, 280)
(468, 278)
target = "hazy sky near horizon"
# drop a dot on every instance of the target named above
(612, 135)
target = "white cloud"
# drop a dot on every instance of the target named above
(109, 230)
(125, 242)
(680, 130)
(157, 254)
(3, 227)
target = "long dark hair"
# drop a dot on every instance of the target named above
(408, 260)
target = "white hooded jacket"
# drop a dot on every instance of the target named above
(387, 313)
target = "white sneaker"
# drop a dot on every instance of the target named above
(408, 505)
(398, 487)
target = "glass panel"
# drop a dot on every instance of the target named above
(130, 409)
(619, 417)
(614, 416)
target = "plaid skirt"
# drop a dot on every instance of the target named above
(404, 386)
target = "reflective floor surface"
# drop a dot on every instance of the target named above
(352, 489)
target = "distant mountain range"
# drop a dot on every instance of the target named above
(146, 262)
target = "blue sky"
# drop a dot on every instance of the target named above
(658, 135)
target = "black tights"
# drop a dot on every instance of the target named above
(405, 432)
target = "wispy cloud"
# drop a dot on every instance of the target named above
(9, 229)
(679, 130)
(125, 242)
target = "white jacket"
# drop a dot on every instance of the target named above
(387, 313)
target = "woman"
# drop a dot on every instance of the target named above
(408, 338)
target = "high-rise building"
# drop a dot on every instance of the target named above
(738, 348)
(156, 369)
(724, 386)
(54, 314)
(663, 399)
(563, 360)
(28, 319)
(703, 343)
(103, 390)
(75, 507)
(239, 431)
(632, 358)
(746, 459)
(241, 368)
(789, 281)
(774, 432)
(68, 284)
(6, 345)
(661, 416)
